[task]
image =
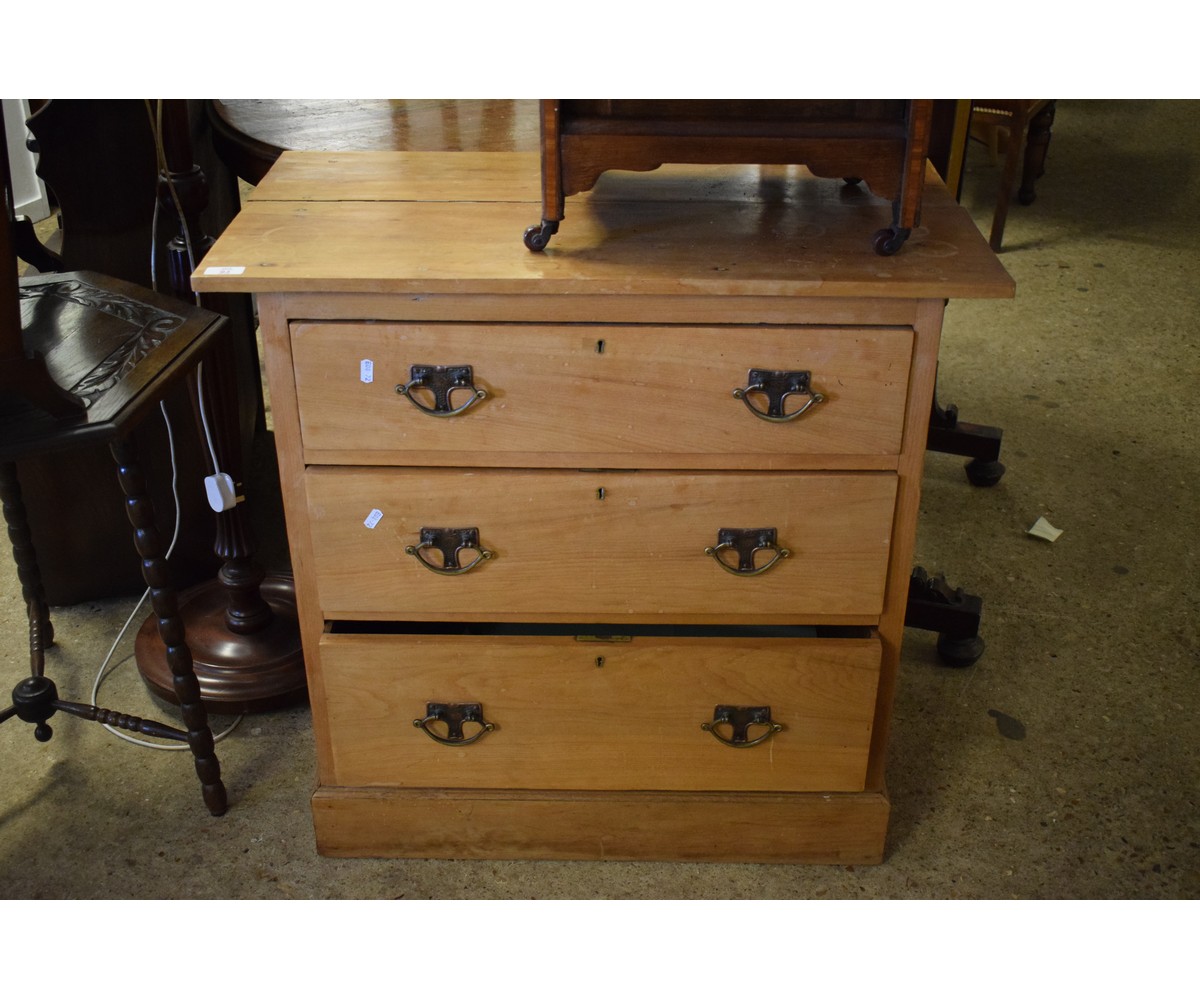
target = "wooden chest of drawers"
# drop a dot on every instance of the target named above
(601, 552)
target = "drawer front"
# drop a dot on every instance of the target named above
(556, 391)
(588, 546)
(600, 715)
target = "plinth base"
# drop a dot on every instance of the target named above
(832, 828)
(237, 673)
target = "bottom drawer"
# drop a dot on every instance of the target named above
(567, 712)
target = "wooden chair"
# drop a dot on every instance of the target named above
(83, 358)
(1028, 125)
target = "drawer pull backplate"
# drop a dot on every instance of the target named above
(777, 386)
(746, 542)
(441, 382)
(739, 719)
(453, 717)
(450, 542)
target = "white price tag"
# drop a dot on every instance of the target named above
(366, 370)
(224, 270)
(373, 518)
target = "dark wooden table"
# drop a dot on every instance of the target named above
(250, 135)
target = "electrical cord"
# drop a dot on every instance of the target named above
(220, 486)
(212, 452)
(165, 172)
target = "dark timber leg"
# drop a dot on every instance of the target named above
(935, 606)
(1036, 144)
(35, 699)
(553, 184)
(41, 632)
(170, 625)
(977, 442)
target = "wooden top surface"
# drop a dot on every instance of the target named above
(451, 222)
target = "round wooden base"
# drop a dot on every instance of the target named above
(237, 673)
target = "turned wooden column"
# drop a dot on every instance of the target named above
(169, 626)
(242, 626)
(41, 631)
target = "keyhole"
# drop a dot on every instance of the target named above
(599, 346)
(600, 493)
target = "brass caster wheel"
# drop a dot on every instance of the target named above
(886, 242)
(536, 237)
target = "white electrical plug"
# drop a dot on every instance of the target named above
(220, 490)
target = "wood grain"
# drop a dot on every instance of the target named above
(797, 237)
(636, 553)
(631, 722)
(835, 829)
(649, 393)
(415, 176)
(679, 272)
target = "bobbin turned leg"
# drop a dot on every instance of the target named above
(170, 626)
(41, 632)
(35, 699)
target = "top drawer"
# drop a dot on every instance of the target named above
(590, 396)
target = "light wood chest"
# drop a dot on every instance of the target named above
(601, 552)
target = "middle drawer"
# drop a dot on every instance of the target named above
(558, 545)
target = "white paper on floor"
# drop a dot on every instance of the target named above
(1044, 529)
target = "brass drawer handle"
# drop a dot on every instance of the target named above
(453, 717)
(450, 542)
(442, 381)
(746, 542)
(740, 718)
(777, 386)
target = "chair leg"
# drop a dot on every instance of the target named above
(170, 625)
(41, 632)
(1016, 145)
(1036, 145)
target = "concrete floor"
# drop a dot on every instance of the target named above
(1063, 764)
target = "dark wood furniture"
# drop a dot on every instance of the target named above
(83, 359)
(880, 142)
(125, 174)
(1028, 124)
(97, 159)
